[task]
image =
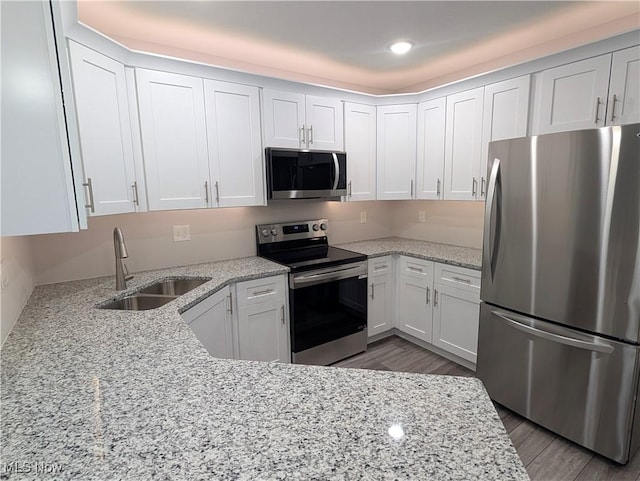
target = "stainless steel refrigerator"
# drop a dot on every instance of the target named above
(560, 314)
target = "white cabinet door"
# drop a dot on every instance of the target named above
(396, 162)
(211, 322)
(431, 138)
(284, 121)
(415, 292)
(624, 88)
(455, 321)
(360, 146)
(573, 96)
(262, 331)
(174, 140)
(235, 145)
(100, 91)
(324, 122)
(463, 145)
(37, 183)
(381, 288)
(506, 111)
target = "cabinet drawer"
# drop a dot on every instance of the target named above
(419, 268)
(260, 290)
(459, 277)
(380, 266)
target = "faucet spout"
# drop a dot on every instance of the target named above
(120, 249)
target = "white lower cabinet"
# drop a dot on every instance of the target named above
(380, 305)
(211, 322)
(262, 332)
(415, 287)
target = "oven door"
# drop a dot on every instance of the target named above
(327, 305)
(297, 174)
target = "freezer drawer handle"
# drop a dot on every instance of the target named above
(568, 341)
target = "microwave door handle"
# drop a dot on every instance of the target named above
(336, 166)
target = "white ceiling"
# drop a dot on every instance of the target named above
(345, 43)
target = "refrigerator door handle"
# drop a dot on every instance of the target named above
(494, 195)
(566, 340)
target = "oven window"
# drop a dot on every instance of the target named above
(325, 312)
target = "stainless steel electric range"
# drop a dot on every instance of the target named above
(327, 290)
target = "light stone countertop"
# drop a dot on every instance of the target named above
(106, 395)
(449, 254)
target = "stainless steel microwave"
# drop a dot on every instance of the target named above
(305, 174)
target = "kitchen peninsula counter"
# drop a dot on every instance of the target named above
(449, 254)
(102, 394)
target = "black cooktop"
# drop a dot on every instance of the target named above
(308, 258)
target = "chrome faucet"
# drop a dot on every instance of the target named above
(120, 248)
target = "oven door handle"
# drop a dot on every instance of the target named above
(333, 275)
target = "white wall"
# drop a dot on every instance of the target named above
(17, 272)
(215, 234)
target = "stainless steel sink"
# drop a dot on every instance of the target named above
(138, 302)
(173, 287)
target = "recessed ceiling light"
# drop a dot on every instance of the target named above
(400, 48)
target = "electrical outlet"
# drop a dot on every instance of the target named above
(181, 233)
(422, 216)
(363, 217)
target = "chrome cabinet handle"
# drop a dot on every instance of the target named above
(411, 188)
(206, 192)
(373, 290)
(310, 131)
(613, 107)
(461, 279)
(349, 191)
(301, 136)
(282, 314)
(474, 187)
(134, 187)
(597, 109)
(435, 298)
(217, 193)
(231, 303)
(428, 290)
(415, 269)
(482, 182)
(260, 293)
(90, 205)
(438, 189)
(377, 268)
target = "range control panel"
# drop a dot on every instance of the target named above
(269, 233)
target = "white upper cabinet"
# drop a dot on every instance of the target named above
(624, 89)
(297, 121)
(235, 145)
(573, 96)
(100, 90)
(37, 189)
(396, 162)
(463, 145)
(506, 113)
(431, 139)
(174, 140)
(360, 146)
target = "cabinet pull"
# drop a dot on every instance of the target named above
(438, 189)
(310, 130)
(206, 192)
(461, 279)
(377, 268)
(435, 298)
(231, 303)
(217, 193)
(301, 135)
(373, 290)
(415, 269)
(482, 182)
(597, 109)
(134, 187)
(349, 189)
(265, 291)
(412, 188)
(428, 295)
(90, 205)
(474, 187)
(282, 313)
(613, 107)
